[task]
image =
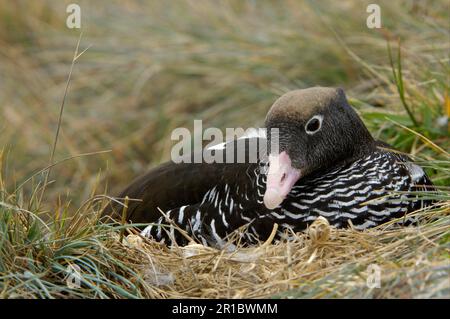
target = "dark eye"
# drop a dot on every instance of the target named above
(314, 124)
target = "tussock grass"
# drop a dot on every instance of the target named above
(156, 66)
(321, 262)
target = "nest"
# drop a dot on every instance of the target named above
(321, 262)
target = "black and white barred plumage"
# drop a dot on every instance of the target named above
(327, 164)
(368, 192)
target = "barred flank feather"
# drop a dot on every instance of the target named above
(368, 192)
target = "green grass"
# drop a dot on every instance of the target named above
(35, 256)
(155, 66)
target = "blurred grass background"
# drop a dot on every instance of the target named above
(152, 66)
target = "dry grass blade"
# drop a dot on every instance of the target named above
(60, 116)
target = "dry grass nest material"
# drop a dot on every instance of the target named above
(321, 262)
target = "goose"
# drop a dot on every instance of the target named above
(325, 163)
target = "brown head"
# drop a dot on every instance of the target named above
(318, 129)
